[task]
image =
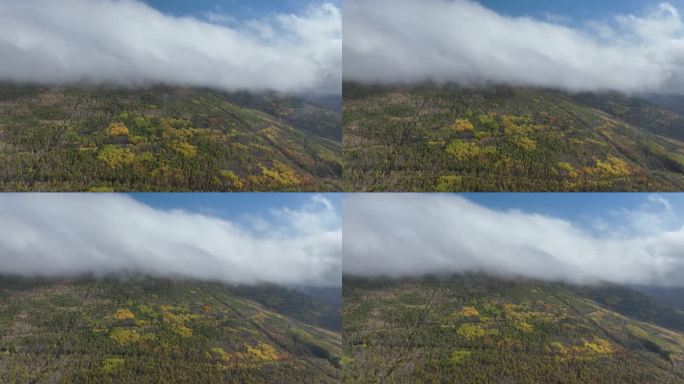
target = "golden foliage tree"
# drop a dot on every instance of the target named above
(117, 129)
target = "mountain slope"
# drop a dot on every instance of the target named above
(164, 139)
(478, 329)
(148, 331)
(447, 138)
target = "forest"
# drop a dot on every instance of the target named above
(162, 138)
(474, 328)
(143, 330)
(452, 139)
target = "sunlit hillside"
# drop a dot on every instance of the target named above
(164, 139)
(448, 138)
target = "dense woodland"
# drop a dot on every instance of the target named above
(164, 139)
(151, 331)
(479, 329)
(447, 138)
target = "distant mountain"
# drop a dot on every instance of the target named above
(320, 306)
(165, 139)
(319, 116)
(672, 296)
(152, 330)
(332, 102)
(448, 138)
(332, 296)
(640, 306)
(672, 102)
(480, 329)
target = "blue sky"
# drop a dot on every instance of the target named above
(232, 206)
(240, 9)
(578, 10)
(581, 208)
(585, 209)
(575, 11)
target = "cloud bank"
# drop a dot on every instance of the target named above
(129, 43)
(68, 235)
(401, 235)
(405, 41)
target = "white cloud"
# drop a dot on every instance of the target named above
(127, 42)
(414, 234)
(219, 18)
(390, 41)
(57, 235)
(660, 200)
(654, 216)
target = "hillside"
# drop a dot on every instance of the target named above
(478, 329)
(149, 331)
(447, 138)
(164, 139)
